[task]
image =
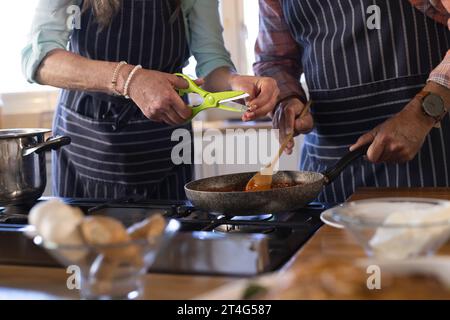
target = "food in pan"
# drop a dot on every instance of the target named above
(277, 185)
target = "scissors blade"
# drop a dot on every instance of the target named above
(233, 106)
(242, 96)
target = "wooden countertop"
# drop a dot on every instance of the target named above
(329, 243)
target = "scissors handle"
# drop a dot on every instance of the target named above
(210, 100)
(192, 88)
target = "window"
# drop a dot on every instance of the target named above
(15, 23)
(251, 25)
(240, 18)
(241, 23)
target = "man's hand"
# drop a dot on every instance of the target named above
(400, 138)
(291, 116)
(263, 94)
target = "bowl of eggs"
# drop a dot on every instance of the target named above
(111, 258)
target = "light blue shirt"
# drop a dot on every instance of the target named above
(49, 31)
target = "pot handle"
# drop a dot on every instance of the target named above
(52, 143)
(334, 172)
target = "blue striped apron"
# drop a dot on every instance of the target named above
(116, 153)
(358, 78)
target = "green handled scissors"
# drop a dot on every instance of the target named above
(221, 100)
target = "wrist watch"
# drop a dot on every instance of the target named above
(433, 106)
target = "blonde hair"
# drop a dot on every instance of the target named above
(104, 10)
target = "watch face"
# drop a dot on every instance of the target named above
(433, 105)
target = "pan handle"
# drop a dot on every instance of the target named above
(334, 172)
(52, 143)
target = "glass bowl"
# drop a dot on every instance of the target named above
(396, 228)
(110, 272)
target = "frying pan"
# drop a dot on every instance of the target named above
(202, 195)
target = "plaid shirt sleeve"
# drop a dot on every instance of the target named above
(277, 53)
(439, 10)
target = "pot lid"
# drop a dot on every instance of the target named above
(19, 133)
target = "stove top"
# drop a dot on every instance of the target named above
(207, 243)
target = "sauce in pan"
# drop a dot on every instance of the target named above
(279, 185)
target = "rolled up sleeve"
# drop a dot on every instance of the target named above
(49, 31)
(441, 74)
(438, 10)
(206, 37)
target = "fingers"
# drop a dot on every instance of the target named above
(266, 91)
(199, 81)
(177, 82)
(383, 148)
(171, 110)
(172, 117)
(263, 94)
(287, 127)
(181, 110)
(290, 147)
(266, 97)
(376, 149)
(304, 124)
(262, 111)
(363, 140)
(375, 152)
(291, 118)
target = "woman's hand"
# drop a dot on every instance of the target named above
(291, 116)
(263, 93)
(400, 138)
(155, 94)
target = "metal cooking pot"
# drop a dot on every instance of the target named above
(22, 164)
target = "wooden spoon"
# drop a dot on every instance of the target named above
(263, 180)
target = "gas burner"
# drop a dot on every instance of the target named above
(14, 214)
(237, 224)
(261, 217)
(195, 215)
(243, 228)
